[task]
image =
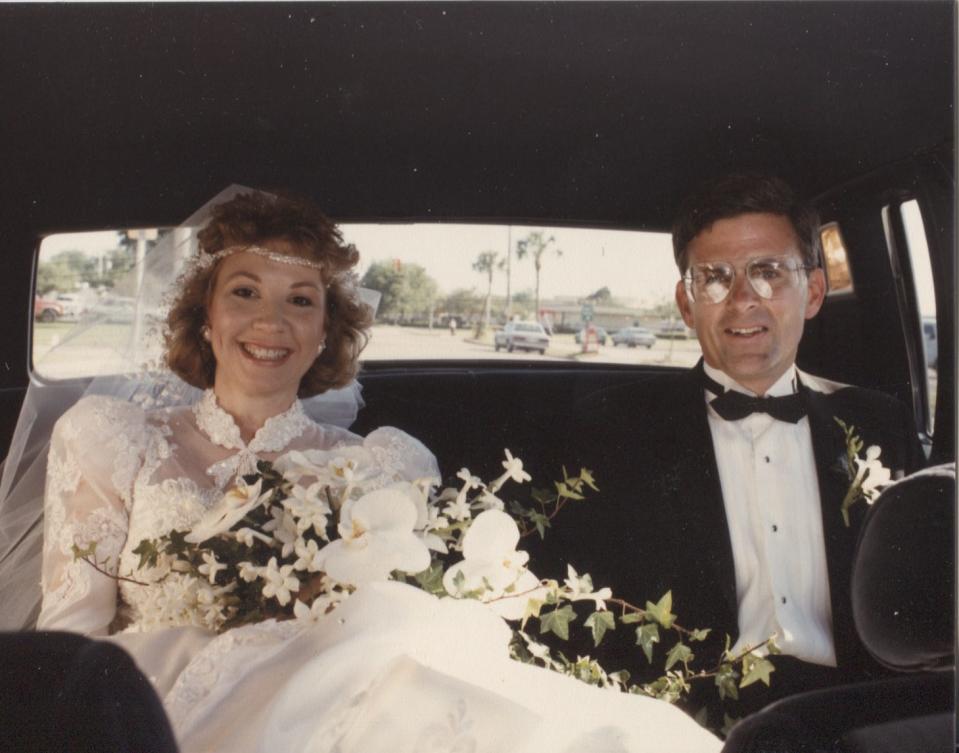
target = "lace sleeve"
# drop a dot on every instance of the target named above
(95, 452)
(401, 455)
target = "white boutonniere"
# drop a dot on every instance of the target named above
(867, 475)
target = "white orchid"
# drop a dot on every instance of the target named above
(280, 582)
(581, 589)
(231, 509)
(871, 474)
(296, 464)
(492, 568)
(376, 537)
(513, 470)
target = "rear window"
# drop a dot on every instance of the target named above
(445, 290)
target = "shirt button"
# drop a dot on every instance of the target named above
(783, 599)
(766, 458)
(775, 528)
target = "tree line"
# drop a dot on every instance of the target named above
(410, 295)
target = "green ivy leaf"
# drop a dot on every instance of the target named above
(533, 607)
(565, 492)
(726, 682)
(90, 550)
(557, 621)
(147, 549)
(431, 579)
(646, 636)
(700, 635)
(678, 653)
(627, 619)
(728, 723)
(661, 611)
(587, 476)
(755, 668)
(600, 622)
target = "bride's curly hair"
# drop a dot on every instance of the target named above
(253, 218)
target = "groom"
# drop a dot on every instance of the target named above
(724, 484)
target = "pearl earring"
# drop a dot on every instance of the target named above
(321, 348)
(205, 332)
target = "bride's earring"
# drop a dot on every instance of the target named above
(320, 350)
(205, 332)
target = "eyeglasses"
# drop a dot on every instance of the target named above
(769, 276)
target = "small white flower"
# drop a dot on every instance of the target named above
(309, 507)
(493, 567)
(283, 528)
(513, 470)
(489, 501)
(469, 480)
(231, 509)
(459, 508)
(280, 582)
(308, 553)
(377, 537)
(210, 566)
(871, 474)
(246, 536)
(248, 571)
(581, 589)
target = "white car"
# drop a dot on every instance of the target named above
(522, 336)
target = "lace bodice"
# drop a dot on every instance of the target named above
(118, 474)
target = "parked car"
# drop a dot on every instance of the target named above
(522, 336)
(46, 309)
(73, 306)
(599, 335)
(633, 336)
(673, 330)
(587, 115)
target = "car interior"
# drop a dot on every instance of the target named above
(562, 114)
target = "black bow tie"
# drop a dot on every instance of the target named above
(732, 405)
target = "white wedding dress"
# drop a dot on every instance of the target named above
(392, 669)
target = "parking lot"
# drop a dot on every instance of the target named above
(397, 343)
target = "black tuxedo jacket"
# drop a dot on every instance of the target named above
(659, 522)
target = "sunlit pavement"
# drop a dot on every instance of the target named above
(399, 343)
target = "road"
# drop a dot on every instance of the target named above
(397, 343)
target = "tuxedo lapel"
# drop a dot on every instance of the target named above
(702, 497)
(830, 450)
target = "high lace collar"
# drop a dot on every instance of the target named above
(221, 428)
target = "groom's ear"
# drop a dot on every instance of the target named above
(684, 305)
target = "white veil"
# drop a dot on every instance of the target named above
(122, 347)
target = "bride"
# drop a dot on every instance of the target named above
(266, 317)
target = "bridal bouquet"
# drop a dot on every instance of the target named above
(294, 539)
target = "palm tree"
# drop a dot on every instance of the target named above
(535, 244)
(485, 264)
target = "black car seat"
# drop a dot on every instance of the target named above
(903, 594)
(64, 692)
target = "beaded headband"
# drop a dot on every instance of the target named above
(204, 261)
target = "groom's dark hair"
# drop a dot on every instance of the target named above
(745, 193)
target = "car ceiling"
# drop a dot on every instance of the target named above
(591, 113)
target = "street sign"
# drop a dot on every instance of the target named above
(586, 313)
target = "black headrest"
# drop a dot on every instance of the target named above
(903, 579)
